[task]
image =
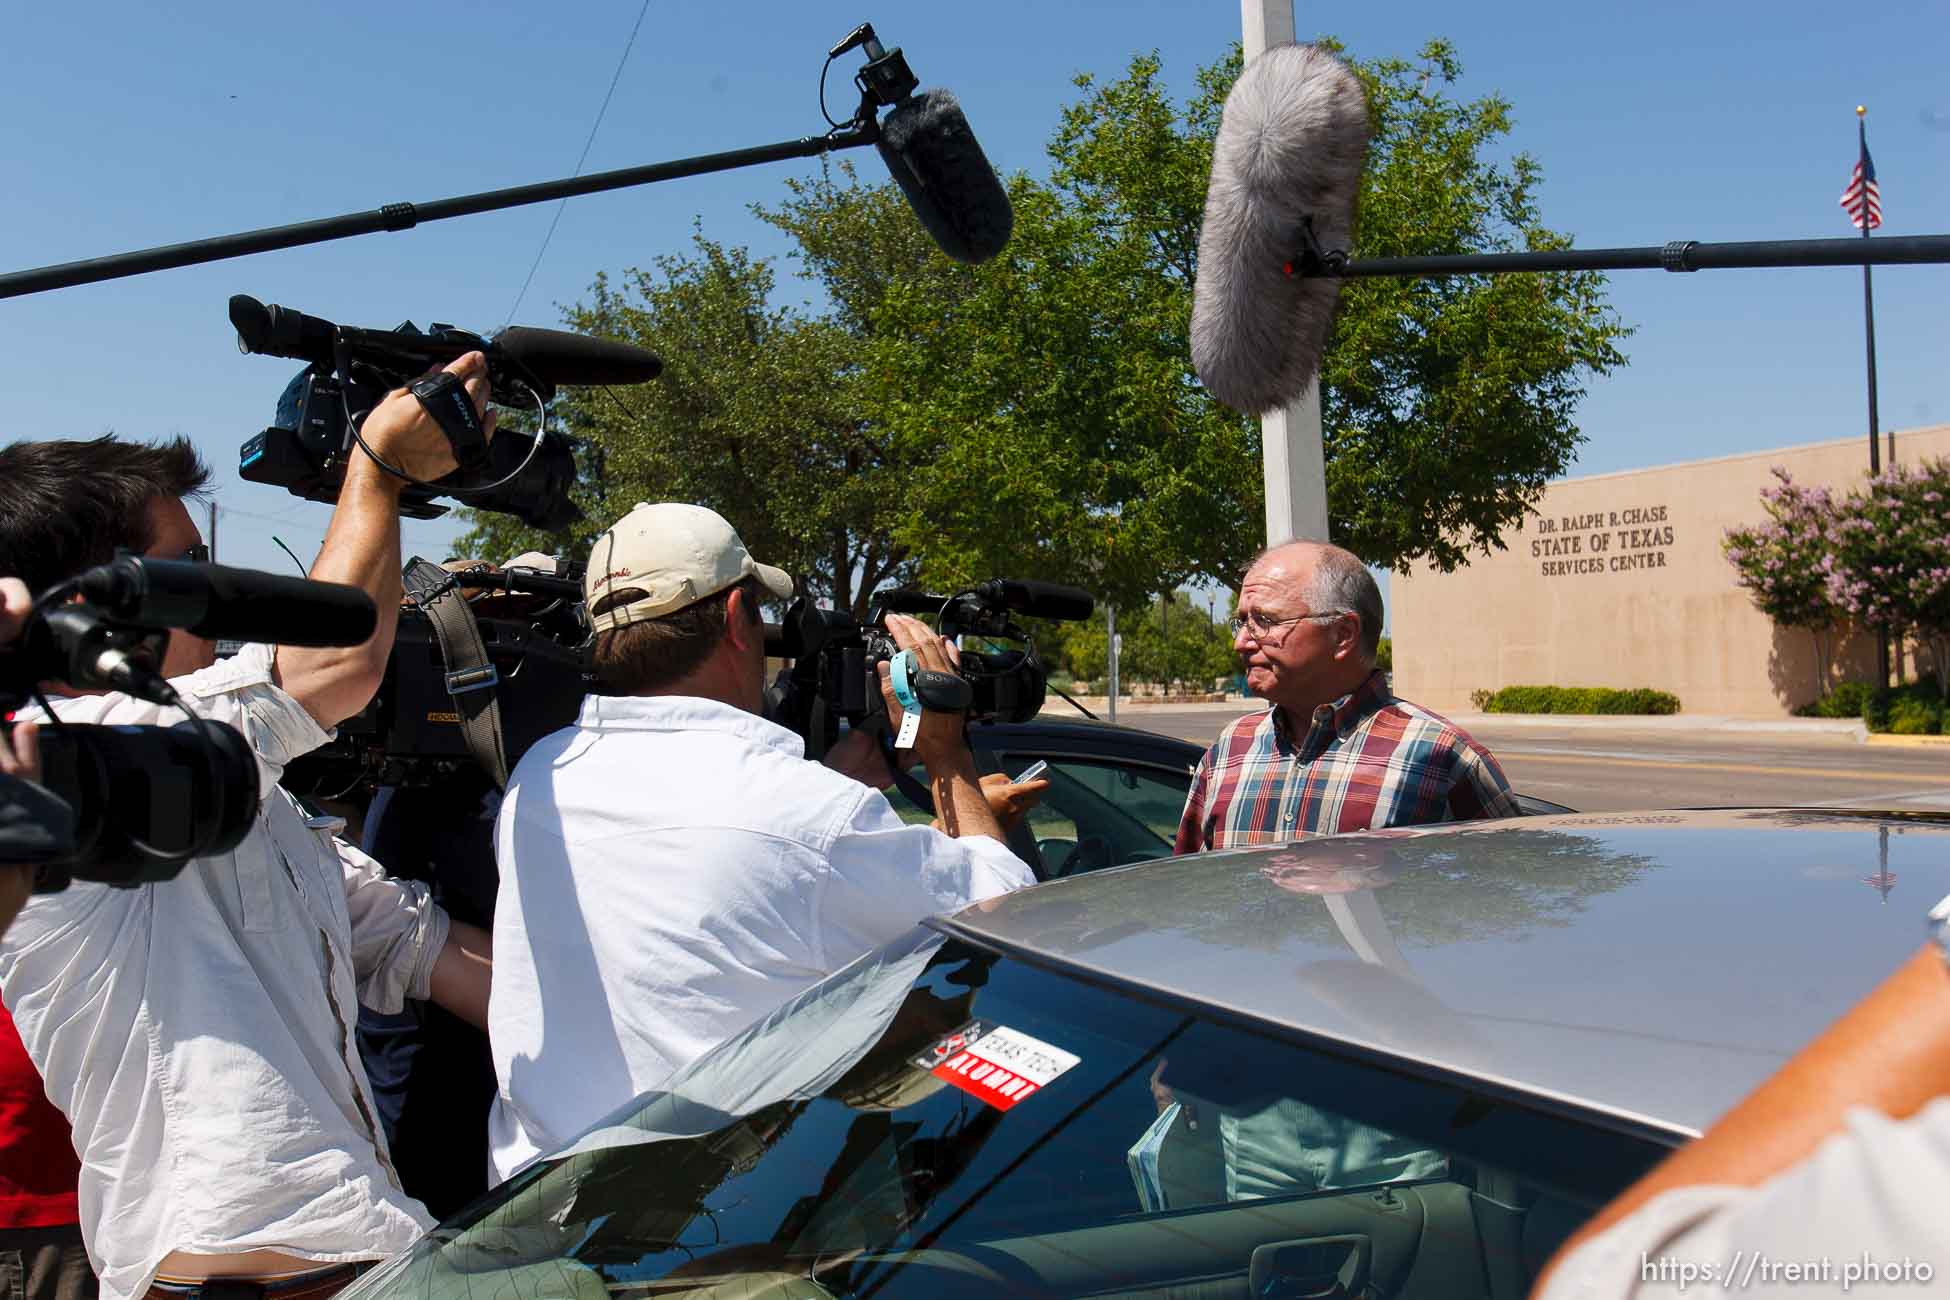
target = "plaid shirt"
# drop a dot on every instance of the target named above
(1368, 761)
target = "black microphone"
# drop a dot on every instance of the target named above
(560, 357)
(216, 601)
(1038, 599)
(549, 356)
(1286, 168)
(932, 153)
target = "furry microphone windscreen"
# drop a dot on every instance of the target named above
(933, 156)
(1292, 143)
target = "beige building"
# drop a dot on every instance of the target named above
(1619, 580)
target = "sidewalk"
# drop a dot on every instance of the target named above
(1133, 712)
(1098, 704)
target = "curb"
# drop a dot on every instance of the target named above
(1912, 742)
(1851, 729)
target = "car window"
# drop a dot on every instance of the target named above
(941, 1122)
(1099, 813)
(1096, 813)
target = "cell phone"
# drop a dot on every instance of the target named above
(1031, 772)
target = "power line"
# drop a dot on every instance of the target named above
(557, 218)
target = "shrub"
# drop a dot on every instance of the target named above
(1845, 701)
(1479, 700)
(1912, 710)
(1639, 701)
(1914, 717)
(1384, 655)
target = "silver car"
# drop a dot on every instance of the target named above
(1406, 1063)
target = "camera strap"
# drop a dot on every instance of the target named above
(471, 679)
(444, 397)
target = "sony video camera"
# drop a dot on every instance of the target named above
(512, 646)
(351, 369)
(835, 670)
(129, 805)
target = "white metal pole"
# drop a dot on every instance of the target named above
(1295, 470)
(1111, 647)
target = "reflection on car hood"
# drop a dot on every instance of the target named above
(1657, 965)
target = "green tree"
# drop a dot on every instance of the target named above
(1060, 387)
(1178, 640)
(1037, 416)
(756, 415)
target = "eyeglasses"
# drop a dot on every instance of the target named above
(1257, 625)
(198, 554)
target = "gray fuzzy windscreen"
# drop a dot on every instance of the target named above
(1292, 141)
(932, 154)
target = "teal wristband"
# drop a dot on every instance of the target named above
(899, 670)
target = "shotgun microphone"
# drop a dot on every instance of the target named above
(1038, 599)
(933, 156)
(215, 601)
(1286, 174)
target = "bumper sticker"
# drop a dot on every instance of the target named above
(994, 1063)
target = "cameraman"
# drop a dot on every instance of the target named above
(197, 1033)
(672, 868)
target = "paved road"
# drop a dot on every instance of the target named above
(1604, 769)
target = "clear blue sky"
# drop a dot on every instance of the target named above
(132, 125)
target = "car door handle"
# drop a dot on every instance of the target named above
(1312, 1268)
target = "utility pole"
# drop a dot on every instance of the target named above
(212, 542)
(1294, 467)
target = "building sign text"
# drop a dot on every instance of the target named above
(1602, 541)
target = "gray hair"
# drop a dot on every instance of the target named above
(1341, 585)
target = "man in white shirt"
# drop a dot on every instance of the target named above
(672, 867)
(197, 1032)
(1829, 1179)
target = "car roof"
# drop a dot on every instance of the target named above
(1649, 967)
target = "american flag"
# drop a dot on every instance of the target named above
(1862, 200)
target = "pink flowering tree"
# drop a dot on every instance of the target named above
(1889, 557)
(1783, 564)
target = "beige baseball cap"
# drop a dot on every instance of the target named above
(660, 558)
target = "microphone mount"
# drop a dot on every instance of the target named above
(1311, 261)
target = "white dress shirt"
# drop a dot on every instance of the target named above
(672, 868)
(197, 1033)
(1863, 1215)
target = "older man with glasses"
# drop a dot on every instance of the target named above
(1336, 751)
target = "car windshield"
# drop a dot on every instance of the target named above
(937, 1120)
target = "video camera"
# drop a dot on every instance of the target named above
(835, 671)
(471, 676)
(316, 434)
(532, 662)
(127, 806)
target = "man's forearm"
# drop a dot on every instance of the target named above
(463, 972)
(958, 799)
(362, 549)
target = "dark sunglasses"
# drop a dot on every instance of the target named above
(198, 554)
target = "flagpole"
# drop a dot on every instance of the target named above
(1869, 333)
